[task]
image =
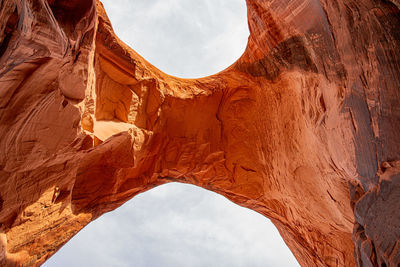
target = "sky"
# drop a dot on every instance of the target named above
(179, 225)
(183, 38)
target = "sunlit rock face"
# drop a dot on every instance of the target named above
(303, 128)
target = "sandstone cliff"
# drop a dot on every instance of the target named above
(303, 128)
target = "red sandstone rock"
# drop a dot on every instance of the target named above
(303, 128)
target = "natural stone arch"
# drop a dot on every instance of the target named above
(296, 129)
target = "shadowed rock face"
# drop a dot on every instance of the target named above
(303, 128)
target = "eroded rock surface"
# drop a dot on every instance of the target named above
(303, 128)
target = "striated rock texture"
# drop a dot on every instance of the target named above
(303, 128)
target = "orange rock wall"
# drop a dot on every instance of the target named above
(303, 128)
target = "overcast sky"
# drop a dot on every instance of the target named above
(184, 38)
(178, 225)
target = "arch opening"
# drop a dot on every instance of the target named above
(177, 225)
(183, 38)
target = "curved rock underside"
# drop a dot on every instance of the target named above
(303, 128)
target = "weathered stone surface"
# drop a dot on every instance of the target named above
(303, 128)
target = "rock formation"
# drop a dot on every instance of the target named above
(303, 128)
